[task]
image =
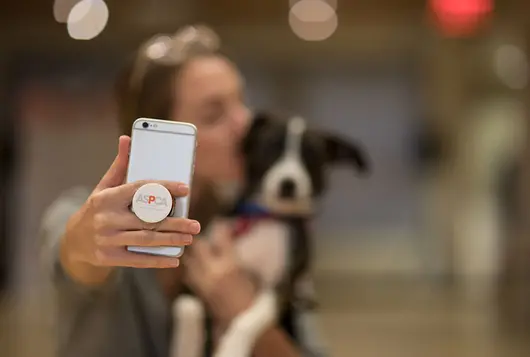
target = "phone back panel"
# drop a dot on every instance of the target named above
(163, 150)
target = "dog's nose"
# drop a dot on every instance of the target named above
(287, 189)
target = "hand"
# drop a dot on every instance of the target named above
(96, 236)
(212, 272)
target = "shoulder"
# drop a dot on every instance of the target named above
(56, 216)
(73, 197)
(64, 206)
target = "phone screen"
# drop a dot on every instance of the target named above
(162, 155)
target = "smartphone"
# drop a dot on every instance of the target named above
(163, 150)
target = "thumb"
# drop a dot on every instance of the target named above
(116, 173)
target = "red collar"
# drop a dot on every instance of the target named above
(244, 224)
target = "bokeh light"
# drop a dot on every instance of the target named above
(511, 66)
(332, 3)
(158, 48)
(313, 20)
(87, 19)
(460, 18)
(62, 8)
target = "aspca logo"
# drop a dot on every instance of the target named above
(152, 200)
(152, 203)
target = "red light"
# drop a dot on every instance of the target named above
(461, 17)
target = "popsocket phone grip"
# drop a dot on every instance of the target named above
(152, 203)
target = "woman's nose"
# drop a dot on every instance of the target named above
(241, 121)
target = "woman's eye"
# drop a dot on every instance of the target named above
(213, 112)
(212, 118)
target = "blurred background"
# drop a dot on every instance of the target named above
(428, 257)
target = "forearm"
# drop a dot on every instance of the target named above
(57, 242)
(275, 342)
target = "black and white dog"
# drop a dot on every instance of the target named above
(286, 174)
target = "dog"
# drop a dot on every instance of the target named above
(286, 166)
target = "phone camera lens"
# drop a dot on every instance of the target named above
(145, 125)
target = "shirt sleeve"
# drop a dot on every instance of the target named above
(53, 226)
(84, 316)
(306, 319)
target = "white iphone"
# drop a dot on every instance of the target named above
(163, 150)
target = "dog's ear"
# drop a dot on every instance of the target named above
(259, 121)
(339, 150)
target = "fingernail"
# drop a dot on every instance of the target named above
(195, 227)
(188, 240)
(183, 188)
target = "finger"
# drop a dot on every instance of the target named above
(203, 253)
(222, 238)
(128, 221)
(202, 248)
(193, 267)
(146, 239)
(123, 194)
(196, 254)
(183, 225)
(123, 258)
(188, 261)
(117, 171)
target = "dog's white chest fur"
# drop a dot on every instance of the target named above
(263, 251)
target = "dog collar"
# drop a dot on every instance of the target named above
(250, 209)
(246, 216)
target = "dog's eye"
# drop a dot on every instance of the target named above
(267, 149)
(313, 149)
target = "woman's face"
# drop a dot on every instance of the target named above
(209, 94)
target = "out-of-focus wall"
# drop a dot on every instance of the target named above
(69, 139)
(361, 82)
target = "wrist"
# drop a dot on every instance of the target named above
(234, 296)
(78, 270)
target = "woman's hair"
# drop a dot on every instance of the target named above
(145, 87)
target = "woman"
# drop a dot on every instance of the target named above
(106, 309)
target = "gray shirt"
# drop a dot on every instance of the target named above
(129, 315)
